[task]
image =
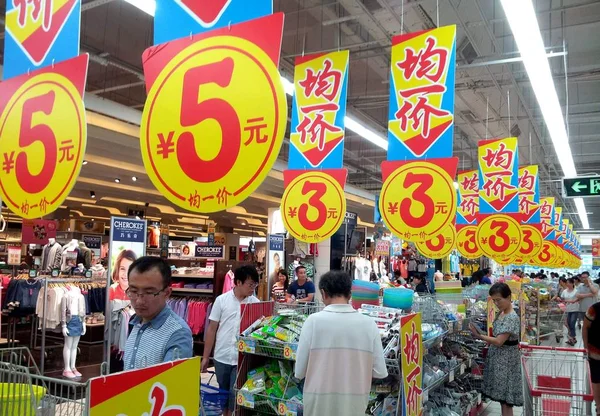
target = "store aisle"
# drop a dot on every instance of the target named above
(494, 409)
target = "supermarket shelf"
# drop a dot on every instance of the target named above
(457, 370)
(431, 342)
(184, 290)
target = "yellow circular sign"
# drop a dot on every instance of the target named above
(531, 242)
(547, 254)
(418, 200)
(439, 246)
(466, 242)
(43, 135)
(499, 236)
(213, 124)
(313, 206)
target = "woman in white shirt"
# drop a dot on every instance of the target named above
(569, 296)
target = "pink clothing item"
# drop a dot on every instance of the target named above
(229, 284)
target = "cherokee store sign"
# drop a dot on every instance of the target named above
(216, 252)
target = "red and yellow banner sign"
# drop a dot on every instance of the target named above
(313, 206)
(499, 236)
(43, 136)
(156, 390)
(216, 114)
(318, 111)
(547, 217)
(595, 247)
(418, 199)
(439, 246)
(468, 197)
(466, 242)
(498, 176)
(421, 111)
(529, 195)
(411, 361)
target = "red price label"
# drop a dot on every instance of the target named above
(313, 206)
(547, 254)
(466, 242)
(215, 117)
(499, 236)
(418, 201)
(441, 245)
(43, 135)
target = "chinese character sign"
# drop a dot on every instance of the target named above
(154, 391)
(498, 176)
(318, 111)
(558, 225)
(43, 136)
(216, 114)
(39, 33)
(313, 206)
(547, 217)
(411, 361)
(421, 110)
(468, 197)
(194, 16)
(529, 194)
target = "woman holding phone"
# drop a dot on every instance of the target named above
(502, 379)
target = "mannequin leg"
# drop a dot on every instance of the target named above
(67, 352)
(74, 352)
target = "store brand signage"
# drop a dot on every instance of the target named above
(216, 252)
(276, 242)
(582, 186)
(193, 16)
(40, 33)
(129, 230)
(93, 242)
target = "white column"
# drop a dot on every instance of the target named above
(322, 263)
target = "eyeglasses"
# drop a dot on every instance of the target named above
(251, 285)
(137, 295)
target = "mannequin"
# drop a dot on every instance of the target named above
(73, 327)
(51, 255)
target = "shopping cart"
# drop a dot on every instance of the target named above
(552, 318)
(556, 381)
(212, 399)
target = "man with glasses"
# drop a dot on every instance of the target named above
(225, 318)
(158, 334)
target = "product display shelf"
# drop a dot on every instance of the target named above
(449, 376)
(192, 276)
(183, 291)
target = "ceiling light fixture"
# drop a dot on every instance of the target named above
(85, 162)
(524, 25)
(149, 6)
(134, 178)
(92, 194)
(117, 180)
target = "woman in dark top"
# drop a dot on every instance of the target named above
(502, 375)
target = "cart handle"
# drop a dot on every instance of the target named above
(526, 346)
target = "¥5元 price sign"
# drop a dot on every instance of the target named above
(216, 114)
(43, 136)
(499, 236)
(313, 206)
(418, 199)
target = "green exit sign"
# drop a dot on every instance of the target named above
(581, 186)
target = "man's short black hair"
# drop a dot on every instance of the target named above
(336, 283)
(244, 273)
(299, 268)
(147, 263)
(586, 273)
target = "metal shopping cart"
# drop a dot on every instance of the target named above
(552, 317)
(212, 399)
(556, 381)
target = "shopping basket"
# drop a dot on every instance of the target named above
(212, 399)
(556, 381)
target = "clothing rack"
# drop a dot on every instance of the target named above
(73, 281)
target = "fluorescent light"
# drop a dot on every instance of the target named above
(147, 6)
(524, 25)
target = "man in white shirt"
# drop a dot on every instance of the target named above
(339, 353)
(224, 326)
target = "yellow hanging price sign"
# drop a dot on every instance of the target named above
(499, 236)
(466, 242)
(441, 245)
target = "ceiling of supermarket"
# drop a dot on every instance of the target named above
(116, 33)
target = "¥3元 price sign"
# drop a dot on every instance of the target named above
(313, 206)
(43, 136)
(466, 242)
(499, 236)
(216, 114)
(441, 245)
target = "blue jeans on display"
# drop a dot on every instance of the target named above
(571, 322)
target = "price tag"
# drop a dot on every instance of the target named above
(289, 351)
(216, 114)
(33, 273)
(55, 272)
(247, 346)
(463, 368)
(43, 136)
(441, 245)
(313, 206)
(451, 376)
(418, 199)
(245, 399)
(241, 345)
(383, 389)
(499, 236)
(287, 409)
(466, 242)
